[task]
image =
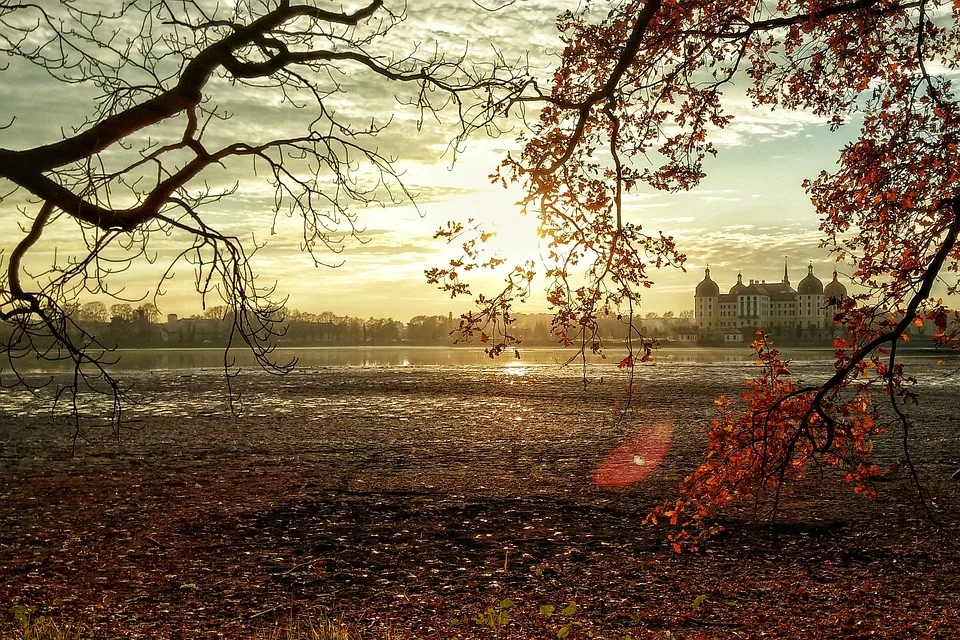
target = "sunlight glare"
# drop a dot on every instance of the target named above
(515, 236)
(517, 369)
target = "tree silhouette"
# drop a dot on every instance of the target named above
(145, 164)
(93, 312)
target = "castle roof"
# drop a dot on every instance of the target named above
(739, 287)
(834, 288)
(811, 285)
(775, 288)
(707, 287)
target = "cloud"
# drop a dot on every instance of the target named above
(673, 220)
(761, 124)
(719, 199)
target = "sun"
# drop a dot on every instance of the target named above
(509, 234)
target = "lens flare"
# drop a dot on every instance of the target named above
(635, 458)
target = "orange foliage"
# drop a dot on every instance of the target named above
(752, 452)
(635, 102)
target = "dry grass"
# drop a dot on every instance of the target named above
(23, 624)
(314, 627)
(27, 626)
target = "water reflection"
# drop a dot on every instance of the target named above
(515, 368)
(401, 356)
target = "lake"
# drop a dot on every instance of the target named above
(312, 357)
(424, 418)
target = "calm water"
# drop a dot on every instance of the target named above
(161, 359)
(164, 359)
(157, 376)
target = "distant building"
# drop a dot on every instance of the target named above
(733, 317)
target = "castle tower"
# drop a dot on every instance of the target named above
(811, 311)
(706, 303)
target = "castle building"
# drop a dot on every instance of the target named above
(804, 313)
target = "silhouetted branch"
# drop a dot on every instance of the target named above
(138, 166)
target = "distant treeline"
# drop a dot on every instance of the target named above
(133, 326)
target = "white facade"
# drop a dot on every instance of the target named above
(804, 312)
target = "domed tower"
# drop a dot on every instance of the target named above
(811, 285)
(737, 288)
(706, 304)
(810, 300)
(834, 290)
(833, 294)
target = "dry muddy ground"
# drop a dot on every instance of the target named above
(411, 502)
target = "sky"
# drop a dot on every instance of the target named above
(748, 215)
